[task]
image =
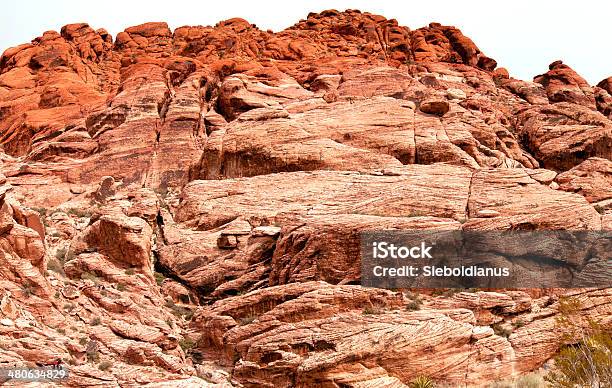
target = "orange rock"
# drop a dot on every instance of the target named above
(563, 135)
(225, 173)
(591, 178)
(564, 84)
(434, 107)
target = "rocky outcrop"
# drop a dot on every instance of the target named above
(177, 97)
(185, 208)
(227, 224)
(591, 178)
(303, 334)
(22, 248)
(345, 334)
(86, 304)
(126, 240)
(563, 84)
(563, 135)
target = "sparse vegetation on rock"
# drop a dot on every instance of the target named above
(586, 360)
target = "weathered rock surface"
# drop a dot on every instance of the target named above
(89, 305)
(303, 334)
(591, 178)
(186, 206)
(344, 333)
(562, 83)
(563, 135)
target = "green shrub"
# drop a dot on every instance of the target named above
(43, 215)
(120, 287)
(93, 355)
(159, 278)
(64, 255)
(69, 255)
(188, 315)
(502, 384)
(372, 310)
(532, 380)
(449, 292)
(417, 213)
(95, 321)
(79, 213)
(28, 289)
(587, 360)
(83, 341)
(187, 344)
(90, 276)
(130, 271)
(60, 254)
(40, 210)
(56, 266)
(413, 305)
(422, 382)
(415, 301)
(247, 320)
(179, 311)
(587, 363)
(105, 365)
(500, 330)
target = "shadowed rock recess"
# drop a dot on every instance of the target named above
(183, 208)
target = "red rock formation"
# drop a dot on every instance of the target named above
(591, 178)
(563, 135)
(226, 173)
(564, 84)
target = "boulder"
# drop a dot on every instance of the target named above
(434, 107)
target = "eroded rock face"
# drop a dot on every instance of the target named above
(562, 83)
(23, 249)
(96, 304)
(591, 178)
(175, 96)
(563, 135)
(187, 205)
(123, 239)
(303, 334)
(344, 334)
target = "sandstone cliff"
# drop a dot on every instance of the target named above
(183, 208)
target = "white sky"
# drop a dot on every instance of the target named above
(522, 35)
